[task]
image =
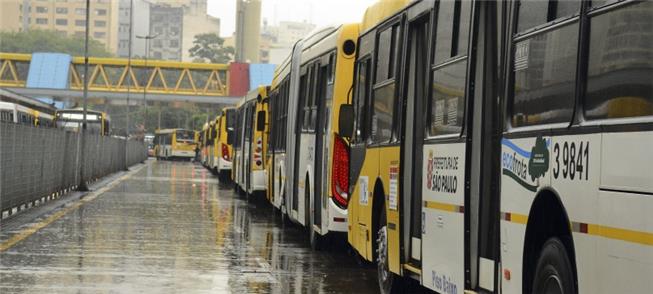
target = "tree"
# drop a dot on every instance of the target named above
(210, 47)
(36, 40)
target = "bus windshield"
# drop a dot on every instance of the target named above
(185, 136)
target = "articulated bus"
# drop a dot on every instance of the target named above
(223, 125)
(97, 122)
(316, 160)
(248, 169)
(503, 146)
(174, 143)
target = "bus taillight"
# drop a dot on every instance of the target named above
(225, 152)
(340, 172)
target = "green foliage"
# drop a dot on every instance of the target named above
(49, 41)
(210, 47)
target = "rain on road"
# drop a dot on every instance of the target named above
(172, 227)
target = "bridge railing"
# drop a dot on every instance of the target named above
(121, 75)
(38, 164)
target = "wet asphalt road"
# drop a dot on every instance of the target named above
(172, 227)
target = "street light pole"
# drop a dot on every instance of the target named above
(147, 55)
(82, 181)
(129, 68)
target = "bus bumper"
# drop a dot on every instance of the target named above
(183, 153)
(258, 180)
(337, 218)
(223, 164)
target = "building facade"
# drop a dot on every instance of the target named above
(68, 18)
(248, 30)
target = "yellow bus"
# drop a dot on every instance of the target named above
(497, 146)
(97, 122)
(306, 97)
(174, 144)
(222, 150)
(248, 169)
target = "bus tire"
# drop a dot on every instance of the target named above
(385, 277)
(553, 272)
(314, 239)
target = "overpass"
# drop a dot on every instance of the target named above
(120, 78)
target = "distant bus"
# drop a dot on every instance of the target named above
(16, 113)
(221, 160)
(248, 169)
(97, 122)
(174, 143)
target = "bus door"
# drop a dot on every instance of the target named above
(439, 149)
(416, 72)
(323, 112)
(249, 140)
(304, 89)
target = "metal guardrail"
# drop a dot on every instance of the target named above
(38, 164)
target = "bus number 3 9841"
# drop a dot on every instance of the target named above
(573, 161)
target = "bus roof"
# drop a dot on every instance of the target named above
(380, 11)
(169, 131)
(261, 91)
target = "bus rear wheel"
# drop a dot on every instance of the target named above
(385, 277)
(554, 273)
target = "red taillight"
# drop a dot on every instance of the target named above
(225, 152)
(340, 172)
(258, 156)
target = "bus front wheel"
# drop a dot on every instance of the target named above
(554, 273)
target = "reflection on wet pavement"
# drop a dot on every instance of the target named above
(172, 227)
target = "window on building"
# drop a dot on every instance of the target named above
(174, 43)
(80, 22)
(80, 11)
(80, 34)
(100, 12)
(61, 22)
(174, 31)
(41, 9)
(157, 43)
(42, 21)
(100, 23)
(157, 55)
(61, 10)
(99, 35)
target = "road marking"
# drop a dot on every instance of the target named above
(24, 233)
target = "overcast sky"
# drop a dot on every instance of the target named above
(319, 12)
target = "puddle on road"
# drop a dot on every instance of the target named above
(191, 234)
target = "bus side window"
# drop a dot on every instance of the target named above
(544, 65)
(362, 86)
(447, 103)
(620, 68)
(384, 102)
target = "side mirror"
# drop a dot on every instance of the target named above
(346, 120)
(260, 121)
(230, 136)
